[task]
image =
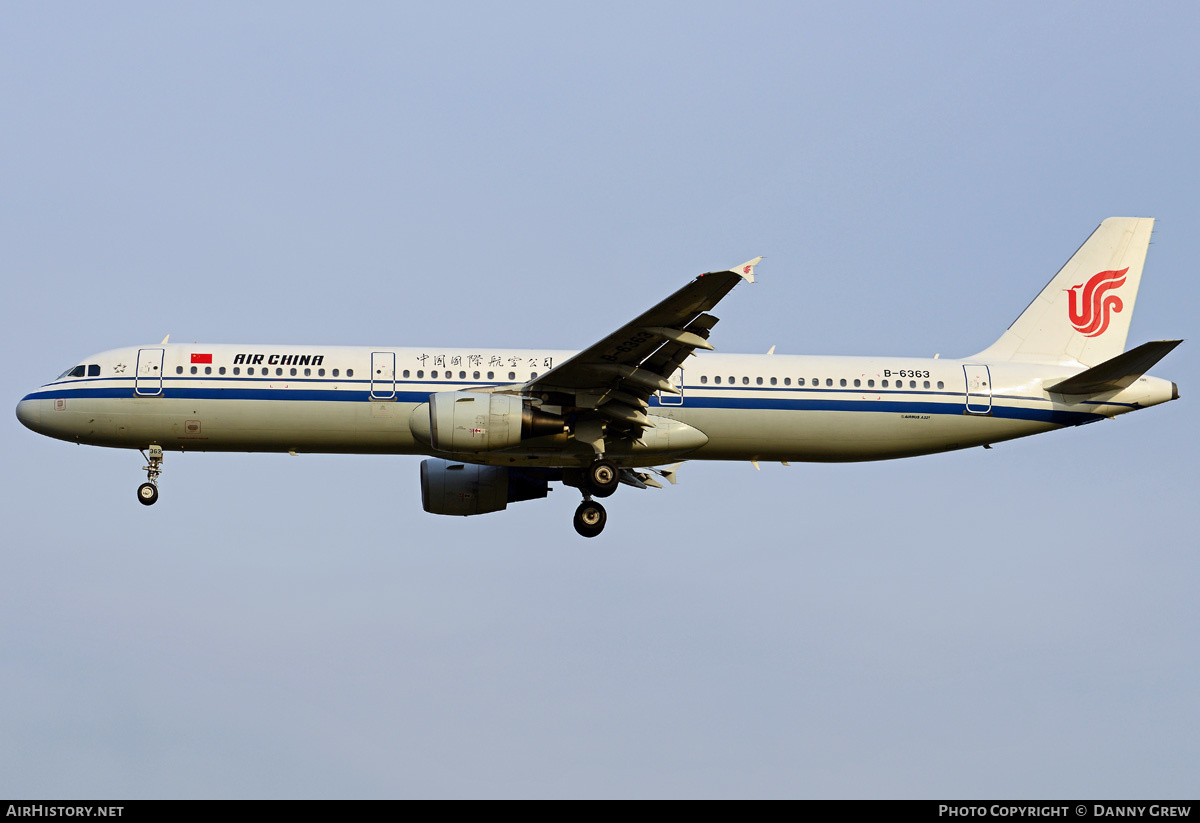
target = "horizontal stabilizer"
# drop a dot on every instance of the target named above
(1118, 373)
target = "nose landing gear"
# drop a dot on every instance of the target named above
(147, 493)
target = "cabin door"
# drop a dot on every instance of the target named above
(668, 399)
(383, 375)
(979, 389)
(148, 381)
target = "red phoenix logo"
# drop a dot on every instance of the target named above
(1090, 315)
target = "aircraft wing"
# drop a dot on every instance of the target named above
(617, 375)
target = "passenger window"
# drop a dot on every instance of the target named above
(308, 373)
(420, 373)
(799, 381)
(349, 372)
(926, 384)
(320, 372)
(731, 380)
(717, 379)
(237, 370)
(857, 383)
(491, 375)
(884, 384)
(293, 372)
(221, 370)
(703, 379)
(335, 372)
(787, 381)
(512, 375)
(533, 375)
(179, 369)
(828, 381)
(476, 377)
(250, 370)
(842, 382)
(278, 372)
(870, 384)
(194, 370)
(462, 375)
(759, 381)
(432, 374)
(912, 384)
(941, 385)
(773, 381)
(208, 369)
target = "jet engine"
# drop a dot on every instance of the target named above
(450, 487)
(464, 421)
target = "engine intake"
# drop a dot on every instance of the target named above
(475, 421)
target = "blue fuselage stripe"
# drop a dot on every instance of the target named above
(768, 400)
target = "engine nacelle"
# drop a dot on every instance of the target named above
(464, 421)
(449, 487)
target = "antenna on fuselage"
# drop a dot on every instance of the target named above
(165, 339)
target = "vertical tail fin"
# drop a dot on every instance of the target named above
(1083, 313)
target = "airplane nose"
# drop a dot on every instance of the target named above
(29, 412)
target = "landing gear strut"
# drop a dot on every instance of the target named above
(590, 518)
(147, 493)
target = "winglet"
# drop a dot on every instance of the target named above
(746, 270)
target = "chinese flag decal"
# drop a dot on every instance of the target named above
(202, 358)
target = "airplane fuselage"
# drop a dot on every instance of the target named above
(731, 407)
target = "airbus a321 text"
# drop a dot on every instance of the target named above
(499, 425)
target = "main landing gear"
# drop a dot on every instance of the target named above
(590, 518)
(600, 479)
(147, 493)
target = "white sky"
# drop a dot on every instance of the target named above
(1019, 622)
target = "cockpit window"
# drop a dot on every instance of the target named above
(84, 370)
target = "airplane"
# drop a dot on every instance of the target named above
(499, 425)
